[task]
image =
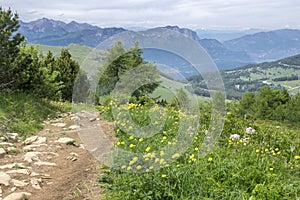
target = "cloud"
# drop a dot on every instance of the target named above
(186, 13)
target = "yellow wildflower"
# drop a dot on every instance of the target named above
(163, 175)
(297, 157)
(141, 139)
(148, 149)
(131, 146)
(138, 167)
(176, 155)
(266, 150)
(209, 159)
(131, 137)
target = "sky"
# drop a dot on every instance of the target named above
(195, 14)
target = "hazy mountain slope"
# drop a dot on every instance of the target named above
(268, 46)
(57, 33)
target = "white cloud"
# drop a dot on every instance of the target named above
(270, 14)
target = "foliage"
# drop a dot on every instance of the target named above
(270, 104)
(9, 46)
(68, 70)
(25, 69)
(118, 62)
(262, 163)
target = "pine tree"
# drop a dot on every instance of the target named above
(9, 46)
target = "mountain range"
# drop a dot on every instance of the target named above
(56, 33)
(247, 49)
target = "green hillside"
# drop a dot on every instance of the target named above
(280, 74)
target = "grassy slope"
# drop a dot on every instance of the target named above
(24, 114)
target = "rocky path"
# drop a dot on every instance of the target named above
(52, 165)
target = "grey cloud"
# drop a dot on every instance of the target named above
(186, 13)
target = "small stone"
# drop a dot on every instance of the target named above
(65, 140)
(6, 144)
(36, 183)
(75, 118)
(74, 154)
(81, 146)
(74, 159)
(61, 125)
(18, 196)
(13, 189)
(34, 174)
(13, 136)
(33, 147)
(2, 152)
(93, 119)
(19, 171)
(2, 138)
(10, 166)
(31, 156)
(40, 140)
(30, 140)
(41, 163)
(74, 127)
(5, 179)
(12, 149)
(18, 183)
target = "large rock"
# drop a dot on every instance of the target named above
(5, 179)
(18, 196)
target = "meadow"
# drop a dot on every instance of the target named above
(252, 159)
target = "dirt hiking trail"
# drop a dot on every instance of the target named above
(53, 164)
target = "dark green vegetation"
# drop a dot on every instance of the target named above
(25, 69)
(280, 74)
(118, 62)
(271, 104)
(29, 81)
